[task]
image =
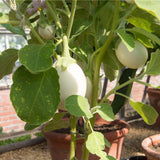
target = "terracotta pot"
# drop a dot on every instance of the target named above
(59, 143)
(149, 144)
(154, 100)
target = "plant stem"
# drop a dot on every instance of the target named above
(73, 121)
(115, 89)
(85, 152)
(70, 22)
(53, 14)
(100, 56)
(85, 155)
(66, 7)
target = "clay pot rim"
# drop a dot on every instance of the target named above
(116, 134)
(153, 90)
(148, 142)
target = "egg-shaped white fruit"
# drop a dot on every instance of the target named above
(72, 81)
(132, 59)
(90, 88)
(47, 32)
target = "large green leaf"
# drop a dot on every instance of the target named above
(78, 106)
(147, 34)
(7, 61)
(37, 58)
(142, 19)
(106, 112)
(35, 97)
(15, 29)
(151, 6)
(147, 112)
(56, 123)
(96, 144)
(153, 66)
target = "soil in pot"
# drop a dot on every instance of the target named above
(59, 143)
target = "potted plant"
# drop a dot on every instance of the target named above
(69, 41)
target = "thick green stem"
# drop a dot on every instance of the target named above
(85, 152)
(88, 130)
(98, 59)
(70, 22)
(73, 121)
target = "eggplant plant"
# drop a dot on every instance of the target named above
(69, 41)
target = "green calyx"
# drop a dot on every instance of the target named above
(64, 62)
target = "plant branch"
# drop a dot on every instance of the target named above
(34, 32)
(66, 7)
(73, 121)
(70, 22)
(53, 14)
(100, 56)
(146, 84)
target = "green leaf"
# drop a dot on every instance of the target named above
(80, 53)
(153, 66)
(151, 6)
(127, 39)
(147, 34)
(79, 26)
(111, 158)
(110, 73)
(14, 29)
(29, 127)
(111, 59)
(96, 144)
(37, 58)
(106, 11)
(106, 112)
(144, 40)
(78, 106)
(142, 19)
(147, 112)
(56, 123)
(7, 61)
(35, 97)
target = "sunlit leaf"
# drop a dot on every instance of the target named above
(153, 66)
(147, 112)
(78, 106)
(35, 97)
